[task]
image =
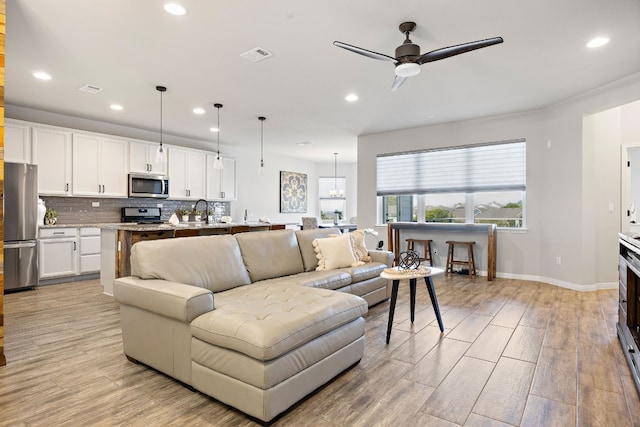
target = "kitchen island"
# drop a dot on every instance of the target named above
(117, 239)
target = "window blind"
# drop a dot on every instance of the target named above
(497, 166)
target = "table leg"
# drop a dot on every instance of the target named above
(392, 307)
(412, 290)
(434, 301)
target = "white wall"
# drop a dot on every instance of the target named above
(569, 185)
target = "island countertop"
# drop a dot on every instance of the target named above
(187, 226)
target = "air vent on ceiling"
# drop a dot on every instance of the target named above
(256, 54)
(90, 89)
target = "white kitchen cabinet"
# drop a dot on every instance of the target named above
(52, 154)
(221, 183)
(17, 143)
(57, 252)
(99, 166)
(187, 169)
(142, 158)
(89, 250)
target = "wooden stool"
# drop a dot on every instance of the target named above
(426, 244)
(469, 262)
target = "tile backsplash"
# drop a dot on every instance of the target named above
(79, 210)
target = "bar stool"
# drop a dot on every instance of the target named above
(469, 262)
(426, 245)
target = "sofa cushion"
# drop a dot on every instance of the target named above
(211, 262)
(266, 321)
(268, 254)
(305, 242)
(334, 253)
(365, 271)
(329, 279)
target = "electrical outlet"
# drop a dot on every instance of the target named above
(159, 205)
(558, 261)
(95, 204)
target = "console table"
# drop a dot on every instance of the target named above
(394, 244)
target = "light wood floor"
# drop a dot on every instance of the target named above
(513, 353)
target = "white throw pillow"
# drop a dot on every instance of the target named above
(333, 253)
(358, 248)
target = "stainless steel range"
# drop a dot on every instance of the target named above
(141, 215)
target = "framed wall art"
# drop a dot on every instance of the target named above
(293, 192)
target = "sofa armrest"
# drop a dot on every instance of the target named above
(385, 257)
(170, 299)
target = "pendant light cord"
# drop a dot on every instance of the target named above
(262, 119)
(335, 172)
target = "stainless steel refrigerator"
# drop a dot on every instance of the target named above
(20, 204)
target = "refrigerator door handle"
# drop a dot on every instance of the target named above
(17, 245)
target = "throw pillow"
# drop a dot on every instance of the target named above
(360, 251)
(333, 253)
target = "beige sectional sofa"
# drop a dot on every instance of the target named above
(246, 318)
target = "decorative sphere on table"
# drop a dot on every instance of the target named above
(409, 260)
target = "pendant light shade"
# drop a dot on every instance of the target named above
(261, 167)
(161, 152)
(217, 163)
(335, 192)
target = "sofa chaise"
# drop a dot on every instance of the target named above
(256, 320)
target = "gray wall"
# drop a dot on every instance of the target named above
(571, 180)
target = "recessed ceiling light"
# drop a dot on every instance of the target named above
(41, 75)
(303, 143)
(597, 42)
(214, 129)
(175, 9)
(352, 97)
(198, 110)
(116, 107)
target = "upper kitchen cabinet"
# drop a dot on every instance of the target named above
(52, 154)
(17, 143)
(142, 158)
(99, 166)
(221, 183)
(187, 170)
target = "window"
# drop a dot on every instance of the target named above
(333, 202)
(472, 184)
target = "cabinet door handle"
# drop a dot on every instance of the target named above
(74, 246)
(222, 194)
(59, 232)
(66, 187)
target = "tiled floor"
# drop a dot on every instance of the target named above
(513, 353)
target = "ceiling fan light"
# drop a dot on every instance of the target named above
(407, 70)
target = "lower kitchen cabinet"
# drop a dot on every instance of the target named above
(89, 250)
(57, 252)
(68, 252)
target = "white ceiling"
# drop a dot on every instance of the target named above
(128, 47)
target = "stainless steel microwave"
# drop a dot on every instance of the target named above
(148, 185)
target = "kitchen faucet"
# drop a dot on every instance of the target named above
(206, 209)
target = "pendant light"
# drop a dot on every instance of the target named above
(261, 167)
(335, 192)
(217, 163)
(161, 153)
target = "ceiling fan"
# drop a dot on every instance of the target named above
(408, 59)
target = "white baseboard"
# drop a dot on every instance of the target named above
(561, 283)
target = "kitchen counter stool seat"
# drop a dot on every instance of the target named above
(426, 249)
(470, 262)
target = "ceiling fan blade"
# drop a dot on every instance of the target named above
(446, 52)
(365, 52)
(397, 82)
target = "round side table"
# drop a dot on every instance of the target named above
(412, 276)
